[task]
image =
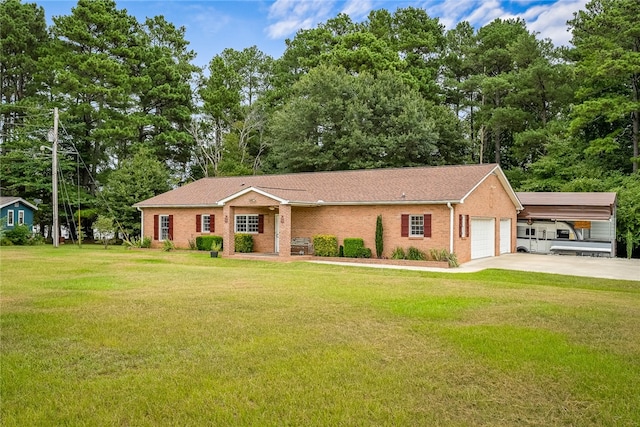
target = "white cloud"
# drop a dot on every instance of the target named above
(292, 15)
(357, 9)
(551, 21)
(548, 19)
(486, 13)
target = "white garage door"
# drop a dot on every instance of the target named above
(483, 237)
(505, 236)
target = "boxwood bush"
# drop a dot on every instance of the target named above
(325, 245)
(354, 248)
(244, 243)
(205, 243)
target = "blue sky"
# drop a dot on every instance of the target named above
(213, 25)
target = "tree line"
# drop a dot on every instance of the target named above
(398, 89)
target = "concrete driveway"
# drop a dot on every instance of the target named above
(606, 268)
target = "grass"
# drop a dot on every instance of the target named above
(113, 337)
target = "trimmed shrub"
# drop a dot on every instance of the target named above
(354, 248)
(364, 253)
(325, 245)
(416, 254)
(398, 253)
(206, 243)
(244, 243)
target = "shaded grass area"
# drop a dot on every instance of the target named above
(95, 337)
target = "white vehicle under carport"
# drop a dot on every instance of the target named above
(557, 237)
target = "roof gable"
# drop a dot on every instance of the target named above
(251, 190)
(417, 185)
(6, 201)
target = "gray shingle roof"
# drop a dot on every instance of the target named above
(7, 200)
(438, 184)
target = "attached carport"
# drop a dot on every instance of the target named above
(591, 215)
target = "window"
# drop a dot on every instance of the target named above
(20, 217)
(205, 223)
(10, 218)
(416, 225)
(247, 224)
(562, 234)
(463, 225)
(163, 227)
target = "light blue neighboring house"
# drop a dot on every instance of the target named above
(15, 211)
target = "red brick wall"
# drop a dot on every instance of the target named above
(360, 221)
(184, 223)
(488, 200)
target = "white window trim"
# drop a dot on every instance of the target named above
(10, 218)
(246, 223)
(202, 225)
(161, 234)
(411, 225)
(20, 217)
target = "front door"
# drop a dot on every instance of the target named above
(276, 244)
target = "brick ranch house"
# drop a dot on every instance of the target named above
(470, 210)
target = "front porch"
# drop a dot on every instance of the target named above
(265, 217)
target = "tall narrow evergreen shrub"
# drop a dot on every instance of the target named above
(379, 239)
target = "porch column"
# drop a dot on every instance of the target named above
(228, 236)
(285, 230)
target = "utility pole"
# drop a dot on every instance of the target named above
(54, 179)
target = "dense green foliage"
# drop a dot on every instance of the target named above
(416, 254)
(325, 245)
(243, 242)
(207, 243)
(354, 248)
(18, 235)
(394, 90)
(105, 228)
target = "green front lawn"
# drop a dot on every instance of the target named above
(146, 338)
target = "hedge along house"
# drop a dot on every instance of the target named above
(15, 211)
(470, 210)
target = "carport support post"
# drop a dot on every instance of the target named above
(228, 236)
(285, 230)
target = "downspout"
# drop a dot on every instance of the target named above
(141, 223)
(450, 227)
